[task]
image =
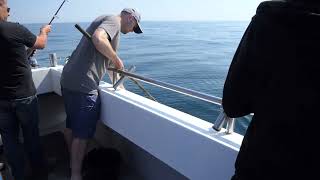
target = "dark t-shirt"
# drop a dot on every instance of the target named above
(15, 73)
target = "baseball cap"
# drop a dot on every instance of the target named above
(137, 16)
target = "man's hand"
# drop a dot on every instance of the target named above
(31, 52)
(119, 64)
(42, 37)
(45, 29)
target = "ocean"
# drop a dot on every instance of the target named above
(194, 55)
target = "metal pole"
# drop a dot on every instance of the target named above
(53, 59)
(188, 92)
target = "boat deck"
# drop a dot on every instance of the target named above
(150, 136)
(57, 155)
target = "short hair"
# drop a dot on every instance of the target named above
(3, 2)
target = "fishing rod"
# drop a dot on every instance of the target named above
(55, 15)
(31, 53)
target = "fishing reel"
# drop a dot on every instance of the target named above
(33, 62)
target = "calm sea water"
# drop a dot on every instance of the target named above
(194, 55)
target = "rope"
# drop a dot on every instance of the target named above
(143, 89)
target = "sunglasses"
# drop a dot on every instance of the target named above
(8, 10)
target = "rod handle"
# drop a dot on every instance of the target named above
(85, 33)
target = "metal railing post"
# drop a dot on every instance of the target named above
(120, 81)
(219, 121)
(223, 119)
(230, 125)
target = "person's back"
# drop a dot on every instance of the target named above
(274, 75)
(15, 73)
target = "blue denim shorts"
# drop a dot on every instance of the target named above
(83, 112)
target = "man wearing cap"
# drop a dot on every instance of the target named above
(82, 74)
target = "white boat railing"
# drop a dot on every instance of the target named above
(221, 120)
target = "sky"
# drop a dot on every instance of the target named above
(41, 11)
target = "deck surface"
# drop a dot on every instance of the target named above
(57, 155)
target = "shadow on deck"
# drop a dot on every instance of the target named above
(57, 155)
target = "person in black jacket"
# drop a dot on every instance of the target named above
(18, 100)
(275, 74)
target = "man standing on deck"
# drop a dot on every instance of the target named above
(82, 74)
(275, 75)
(18, 100)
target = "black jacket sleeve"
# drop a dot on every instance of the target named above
(237, 92)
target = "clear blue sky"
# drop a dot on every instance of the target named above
(41, 11)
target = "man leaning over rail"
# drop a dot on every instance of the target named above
(18, 100)
(275, 75)
(82, 74)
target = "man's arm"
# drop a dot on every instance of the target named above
(42, 37)
(41, 40)
(237, 91)
(100, 40)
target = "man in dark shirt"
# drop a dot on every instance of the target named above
(18, 101)
(275, 75)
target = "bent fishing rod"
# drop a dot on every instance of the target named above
(31, 53)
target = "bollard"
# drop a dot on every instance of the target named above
(53, 59)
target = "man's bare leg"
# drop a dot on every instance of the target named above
(68, 138)
(78, 150)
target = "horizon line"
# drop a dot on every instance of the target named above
(142, 21)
